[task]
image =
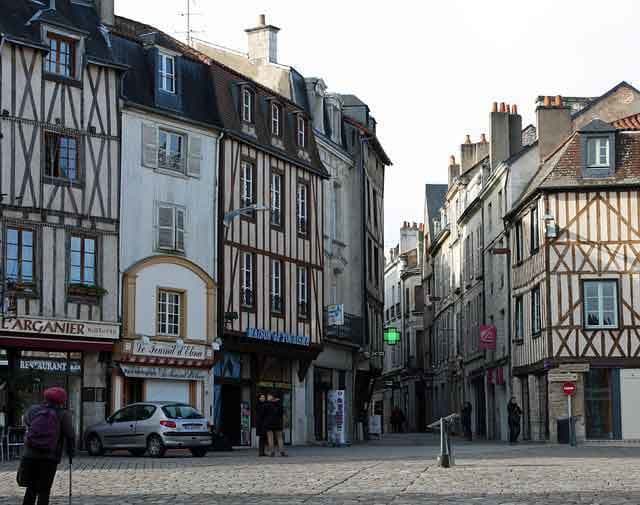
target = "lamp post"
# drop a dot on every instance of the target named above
(244, 211)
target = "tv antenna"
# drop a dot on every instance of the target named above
(188, 14)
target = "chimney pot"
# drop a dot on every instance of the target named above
(547, 101)
(494, 107)
(514, 109)
(452, 160)
(483, 138)
(502, 107)
(508, 109)
(558, 101)
(262, 20)
(467, 139)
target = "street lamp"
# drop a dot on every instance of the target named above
(244, 211)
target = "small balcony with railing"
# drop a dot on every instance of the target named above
(351, 331)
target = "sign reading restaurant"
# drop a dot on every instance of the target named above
(278, 337)
(37, 325)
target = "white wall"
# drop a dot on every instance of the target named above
(175, 277)
(629, 394)
(142, 187)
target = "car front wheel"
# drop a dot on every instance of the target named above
(94, 446)
(155, 447)
(198, 452)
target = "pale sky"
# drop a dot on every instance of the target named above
(430, 70)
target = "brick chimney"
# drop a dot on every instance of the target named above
(506, 133)
(263, 42)
(554, 124)
(106, 12)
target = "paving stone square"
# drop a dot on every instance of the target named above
(399, 471)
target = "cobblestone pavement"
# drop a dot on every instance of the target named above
(398, 472)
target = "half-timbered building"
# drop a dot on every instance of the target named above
(59, 204)
(168, 239)
(271, 257)
(574, 239)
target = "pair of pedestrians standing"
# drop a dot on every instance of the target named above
(269, 425)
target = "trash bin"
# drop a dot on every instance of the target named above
(564, 433)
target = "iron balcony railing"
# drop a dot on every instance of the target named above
(352, 330)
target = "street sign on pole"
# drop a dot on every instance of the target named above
(569, 388)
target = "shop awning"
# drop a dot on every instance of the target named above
(55, 344)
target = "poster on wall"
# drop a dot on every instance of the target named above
(336, 417)
(245, 423)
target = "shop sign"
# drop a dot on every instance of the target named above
(61, 327)
(375, 425)
(336, 416)
(563, 377)
(575, 367)
(167, 350)
(278, 337)
(52, 365)
(164, 372)
(488, 337)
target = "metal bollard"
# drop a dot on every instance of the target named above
(444, 460)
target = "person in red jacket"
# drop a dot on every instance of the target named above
(49, 430)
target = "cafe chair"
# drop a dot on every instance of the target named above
(15, 442)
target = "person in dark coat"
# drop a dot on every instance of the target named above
(261, 432)
(274, 424)
(397, 420)
(39, 465)
(465, 419)
(514, 412)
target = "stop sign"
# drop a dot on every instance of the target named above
(569, 388)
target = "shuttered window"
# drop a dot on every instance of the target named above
(302, 209)
(303, 292)
(171, 150)
(171, 224)
(277, 305)
(276, 199)
(536, 321)
(247, 298)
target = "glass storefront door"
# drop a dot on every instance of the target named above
(600, 404)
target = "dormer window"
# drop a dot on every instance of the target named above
(598, 146)
(167, 73)
(598, 152)
(275, 120)
(247, 105)
(301, 131)
(62, 56)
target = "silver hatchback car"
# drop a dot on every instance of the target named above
(151, 427)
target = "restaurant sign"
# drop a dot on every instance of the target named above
(164, 372)
(170, 350)
(278, 337)
(41, 326)
(52, 365)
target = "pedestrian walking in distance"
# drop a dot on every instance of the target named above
(49, 429)
(514, 412)
(397, 420)
(261, 432)
(274, 424)
(465, 419)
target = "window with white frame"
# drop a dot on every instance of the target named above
(247, 105)
(519, 322)
(172, 150)
(301, 131)
(275, 120)
(536, 321)
(246, 184)
(302, 209)
(171, 224)
(600, 304)
(247, 298)
(535, 230)
(519, 242)
(276, 199)
(598, 152)
(167, 72)
(170, 312)
(303, 292)
(277, 305)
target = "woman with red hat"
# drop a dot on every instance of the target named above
(49, 429)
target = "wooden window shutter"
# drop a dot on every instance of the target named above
(195, 156)
(149, 145)
(180, 226)
(166, 228)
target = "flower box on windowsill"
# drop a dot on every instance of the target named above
(21, 289)
(85, 291)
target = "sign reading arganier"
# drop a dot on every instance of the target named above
(61, 327)
(278, 337)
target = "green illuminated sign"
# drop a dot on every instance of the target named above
(391, 336)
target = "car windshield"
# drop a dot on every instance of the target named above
(181, 412)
